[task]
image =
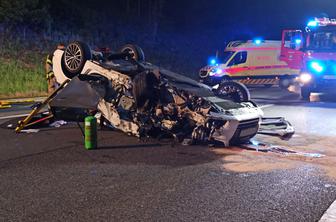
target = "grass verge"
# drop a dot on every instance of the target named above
(19, 79)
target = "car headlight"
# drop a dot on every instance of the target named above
(216, 72)
(305, 77)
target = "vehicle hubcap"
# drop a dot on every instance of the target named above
(73, 57)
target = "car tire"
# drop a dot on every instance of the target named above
(305, 93)
(284, 83)
(235, 91)
(145, 90)
(135, 51)
(74, 58)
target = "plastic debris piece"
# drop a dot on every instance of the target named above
(276, 126)
(262, 147)
(313, 155)
(30, 131)
(58, 123)
(187, 142)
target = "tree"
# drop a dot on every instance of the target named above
(32, 14)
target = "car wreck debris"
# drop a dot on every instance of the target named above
(144, 100)
(269, 148)
(276, 126)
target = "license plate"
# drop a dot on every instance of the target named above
(329, 77)
(248, 131)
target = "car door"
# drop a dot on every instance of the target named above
(238, 64)
(291, 45)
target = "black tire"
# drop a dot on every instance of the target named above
(234, 91)
(284, 83)
(145, 90)
(135, 51)
(305, 93)
(74, 58)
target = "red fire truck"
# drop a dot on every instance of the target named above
(315, 56)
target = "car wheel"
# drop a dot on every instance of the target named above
(234, 91)
(145, 90)
(74, 58)
(135, 51)
(284, 83)
(305, 93)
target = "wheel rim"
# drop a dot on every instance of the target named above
(131, 52)
(73, 57)
(231, 92)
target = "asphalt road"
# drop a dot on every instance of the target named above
(49, 176)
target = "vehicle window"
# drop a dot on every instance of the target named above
(291, 40)
(239, 58)
(224, 58)
(322, 41)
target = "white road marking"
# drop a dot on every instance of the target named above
(266, 106)
(13, 116)
(330, 214)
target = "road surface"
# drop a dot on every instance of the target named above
(49, 176)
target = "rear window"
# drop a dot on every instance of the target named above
(239, 58)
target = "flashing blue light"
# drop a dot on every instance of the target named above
(212, 61)
(312, 23)
(298, 41)
(257, 41)
(317, 67)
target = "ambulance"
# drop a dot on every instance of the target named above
(251, 62)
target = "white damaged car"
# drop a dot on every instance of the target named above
(144, 100)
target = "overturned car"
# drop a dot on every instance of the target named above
(144, 100)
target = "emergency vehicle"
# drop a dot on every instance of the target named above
(307, 56)
(250, 62)
(316, 56)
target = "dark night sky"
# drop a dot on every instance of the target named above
(236, 19)
(246, 17)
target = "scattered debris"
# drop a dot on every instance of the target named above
(144, 100)
(30, 131)
(58, 123)
(276, 126)
(262, 147)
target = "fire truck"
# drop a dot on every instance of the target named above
(316, 55)
(306, 56)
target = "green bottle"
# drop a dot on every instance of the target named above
(90, 132)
